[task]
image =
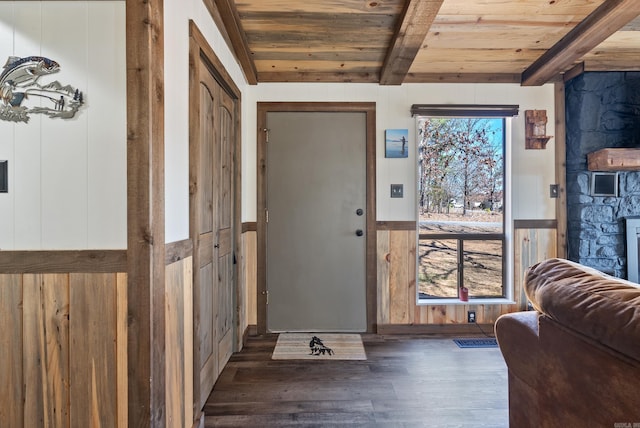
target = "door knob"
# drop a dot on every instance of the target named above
(359, 211)
(359, 232)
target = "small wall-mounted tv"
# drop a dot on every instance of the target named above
(604, 184)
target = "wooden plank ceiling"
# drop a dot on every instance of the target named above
(531, 42)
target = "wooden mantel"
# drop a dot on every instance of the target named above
(614, 160)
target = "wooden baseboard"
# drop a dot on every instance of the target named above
(251, 330)
(438, 329)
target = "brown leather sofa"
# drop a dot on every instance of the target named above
(575, 360)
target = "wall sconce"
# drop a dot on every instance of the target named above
(536, 129)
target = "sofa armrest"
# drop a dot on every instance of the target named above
(517, 335)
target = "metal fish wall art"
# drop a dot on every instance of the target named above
(21, 93)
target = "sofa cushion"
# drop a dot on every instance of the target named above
(599, 306)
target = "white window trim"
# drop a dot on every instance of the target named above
(509, 291)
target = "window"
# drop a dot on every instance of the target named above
(461, 196)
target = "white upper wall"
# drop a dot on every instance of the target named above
(176, 68)
(532, 170)
(67, 178)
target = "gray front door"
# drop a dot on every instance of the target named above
(316, 200)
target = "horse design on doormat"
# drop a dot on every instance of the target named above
(319, 348)
(21, 94)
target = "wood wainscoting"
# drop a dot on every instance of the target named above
(249, 272)
(63, 341)
(534, 241)
(179, 337)
(398, 311)
(63, 338)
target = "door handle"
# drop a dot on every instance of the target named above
(359, 232)
(216, 245)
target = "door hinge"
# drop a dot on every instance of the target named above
(266, 293)
(266, 131)
(267, 215)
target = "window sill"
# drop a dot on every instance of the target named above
(472, 301)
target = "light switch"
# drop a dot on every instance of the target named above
(397, 191)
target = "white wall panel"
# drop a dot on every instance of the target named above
(249, 155)
(26, 166)
(107, 149)
(68, 177)
(7, 152)
(64, 142)
(176, 68)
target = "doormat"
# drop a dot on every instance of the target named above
(319, 346)
(489, 342)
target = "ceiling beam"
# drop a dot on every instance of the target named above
(416, 19)
(576, 71)
(302, 76)
(462, 78)
(231, 21)
(594, 29)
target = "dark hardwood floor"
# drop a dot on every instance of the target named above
(406, 381)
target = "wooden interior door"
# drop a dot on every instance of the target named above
(225, 290)
(211, 215)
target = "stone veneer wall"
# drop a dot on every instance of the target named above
(602, 111)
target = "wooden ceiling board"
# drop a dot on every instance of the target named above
(345, 41)
(612, 61)
(375, 56)
(316, 22)
(520, 8)
(474, 61)
(512, 21)
(332, 77)
(317, 66)
(621, 40)
(327, 6)
(301, 37)
(494, 38)
(401, 41)
(462, 78)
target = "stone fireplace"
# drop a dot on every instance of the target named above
(602, 111)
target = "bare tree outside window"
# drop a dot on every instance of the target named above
(461, 197)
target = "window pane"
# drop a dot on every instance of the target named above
(460, 173)
(483, 268)
(438, 268)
